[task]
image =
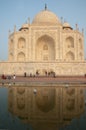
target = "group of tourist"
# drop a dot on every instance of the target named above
(8, 77)
(37, 74)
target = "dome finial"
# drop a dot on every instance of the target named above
(45, 6)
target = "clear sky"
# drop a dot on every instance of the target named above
(16, 12)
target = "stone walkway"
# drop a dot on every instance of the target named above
(46, 80)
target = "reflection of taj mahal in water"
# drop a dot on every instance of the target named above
(45, 44)
(49, 107)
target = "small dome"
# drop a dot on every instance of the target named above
(66, 24)
(46, 17)
(25, 25)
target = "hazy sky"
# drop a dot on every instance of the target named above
(16, 12)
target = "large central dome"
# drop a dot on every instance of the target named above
(46, 17)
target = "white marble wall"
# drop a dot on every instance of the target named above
(60, 68)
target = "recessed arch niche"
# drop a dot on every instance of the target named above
(21, 43)
(70, 56)
(45, 48)
(80, 44)
(11, 44)
(21, 57)
(11, 57)
(80, 56)
(69, 42)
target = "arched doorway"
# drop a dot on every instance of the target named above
(70, 56)
(21, 43)
(11, 57)
(45, 48)
(21, 57)
(69, 43)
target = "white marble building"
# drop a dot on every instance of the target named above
(46, 44)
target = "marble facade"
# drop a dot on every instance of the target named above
(46, 44)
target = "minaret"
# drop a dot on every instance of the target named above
(76, 26)
(29, 20)
(14, 28)
(9, 32)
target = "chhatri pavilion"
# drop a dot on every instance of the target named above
(44, 45)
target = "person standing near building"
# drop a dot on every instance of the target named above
(14, 76)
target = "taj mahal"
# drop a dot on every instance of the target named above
(45, 44)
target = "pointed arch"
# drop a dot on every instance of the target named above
(21, 43)
(70, 56)
(11, 44)
(80, 56)
(11, 57)
(45, 48)
(69, 42)
(80, 44)
(21, 57)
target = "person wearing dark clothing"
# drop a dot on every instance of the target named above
(25, 74)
